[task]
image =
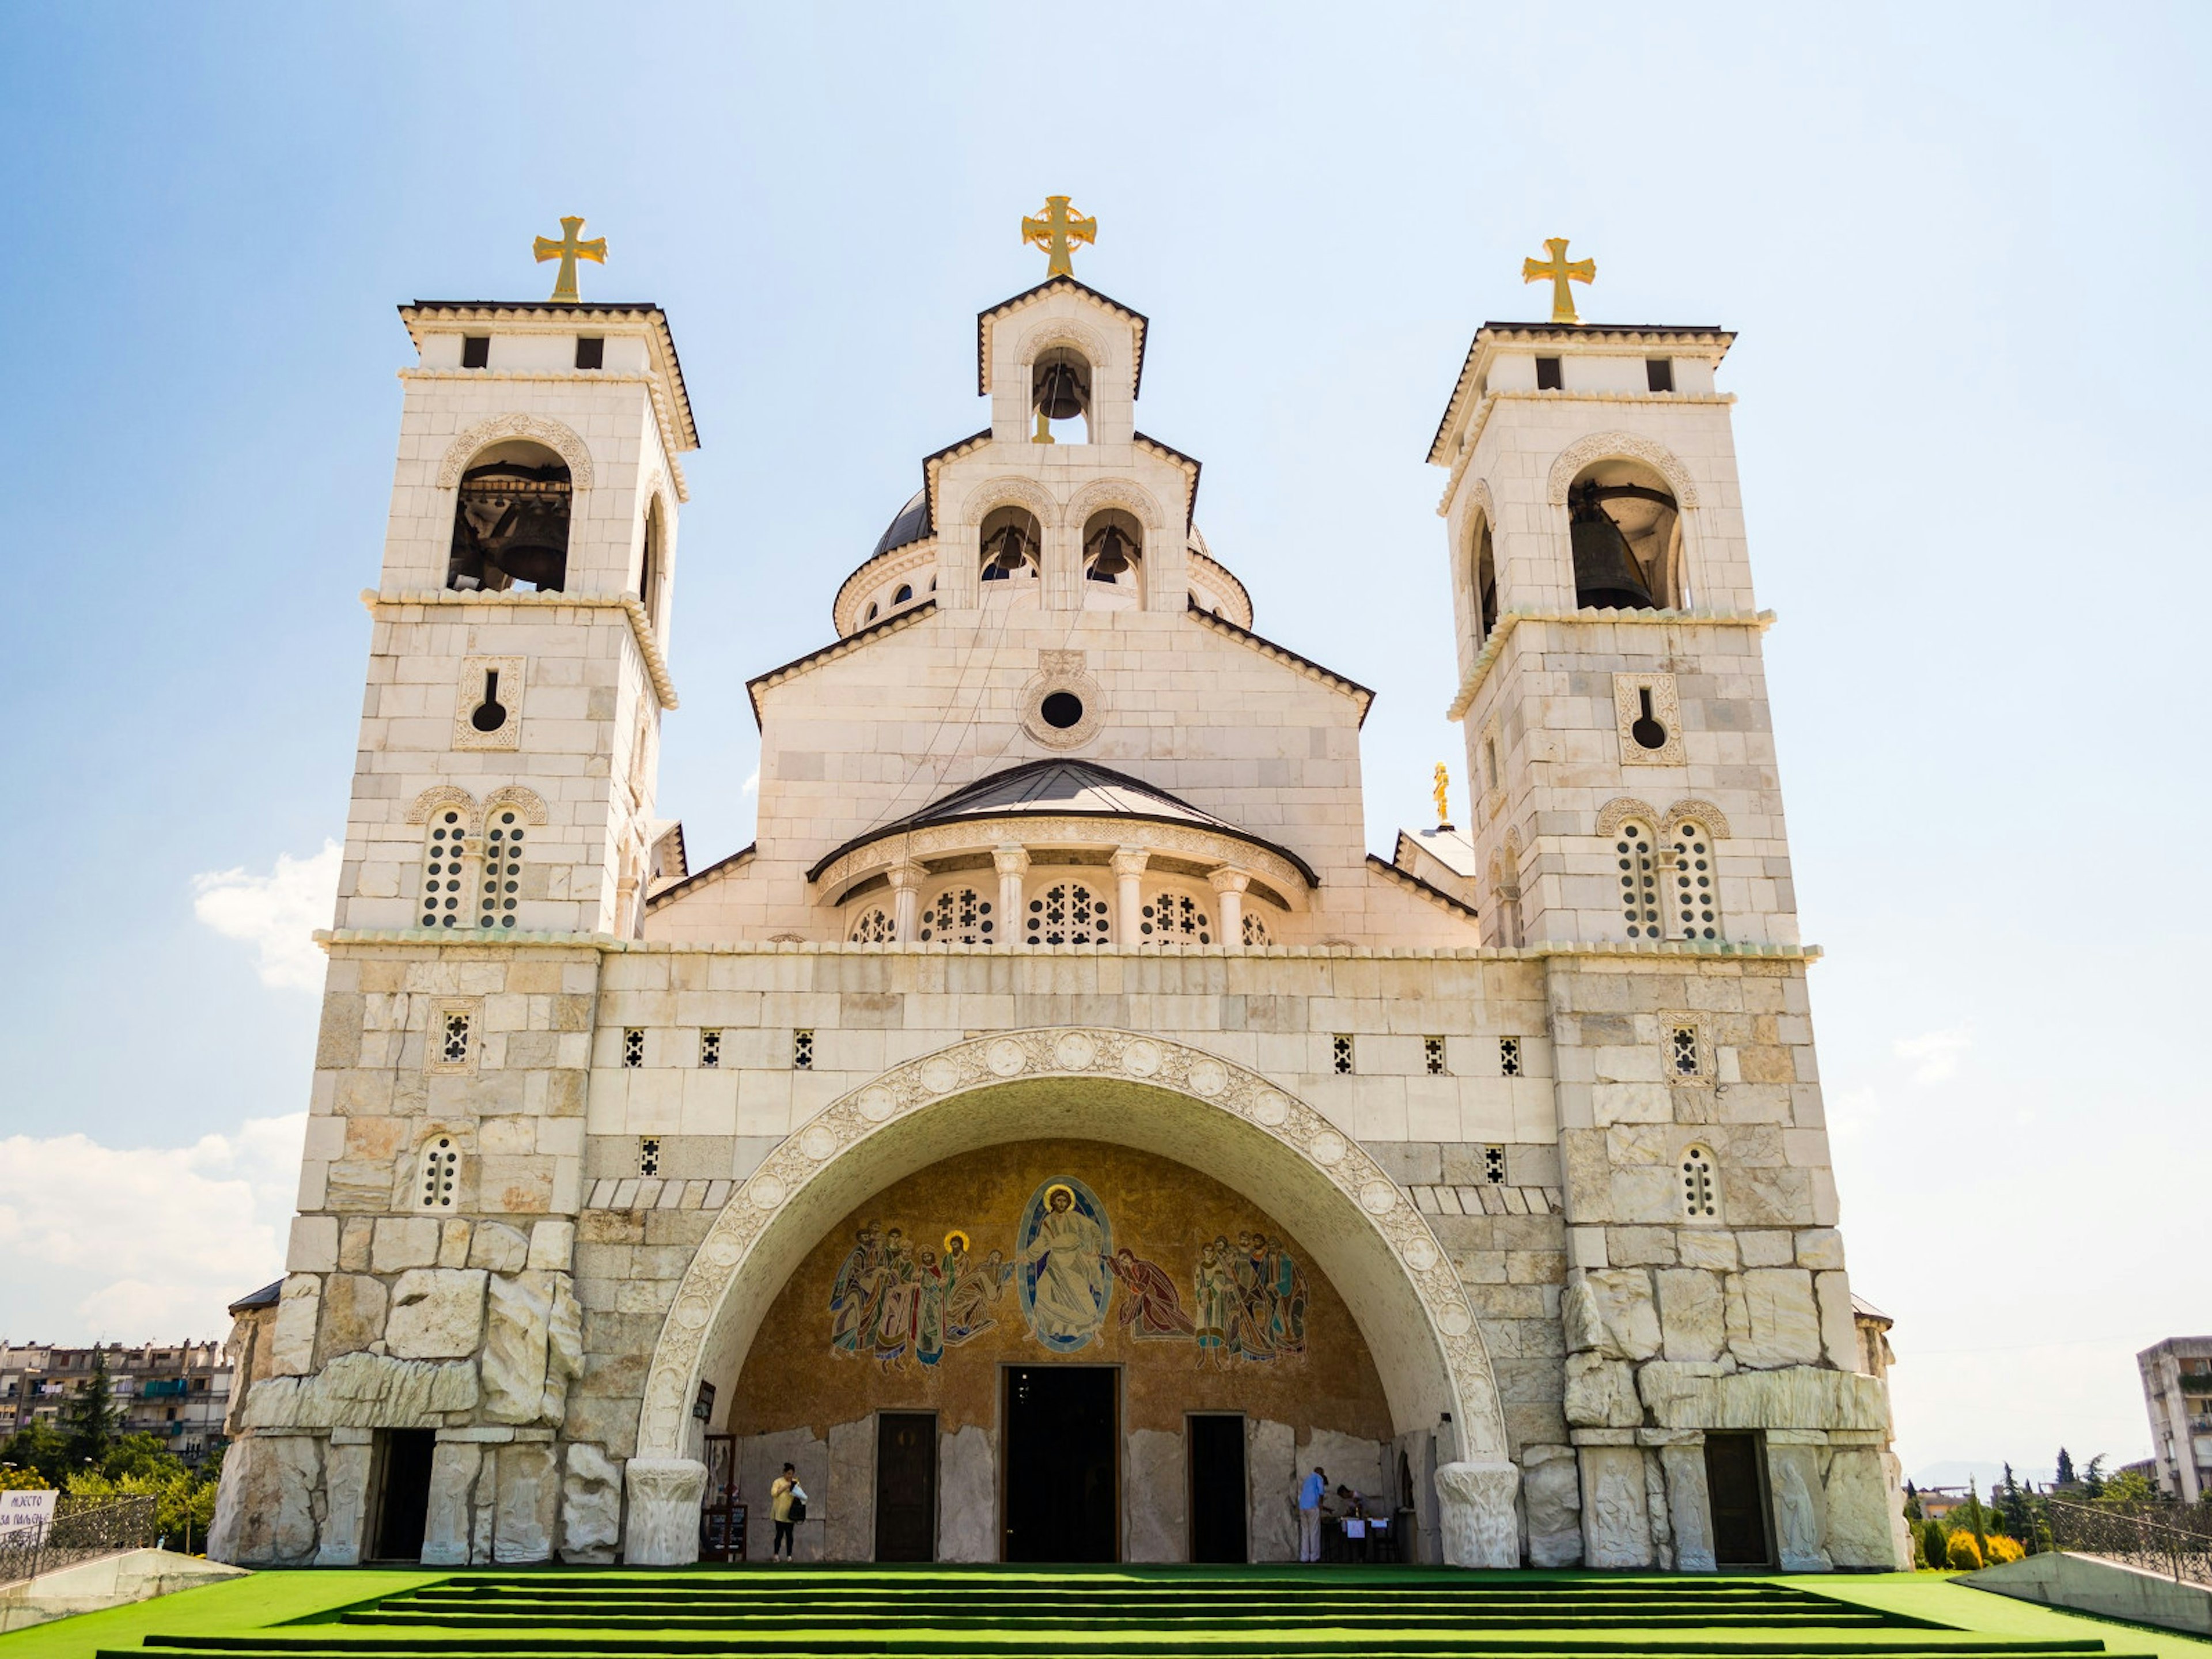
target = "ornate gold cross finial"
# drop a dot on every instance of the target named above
(1444, 797)
(1057, 232)
(567, 251)
(1561, 273)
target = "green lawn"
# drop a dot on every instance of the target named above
(236, 1604)
(1939, 1597)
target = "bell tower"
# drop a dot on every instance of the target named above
(518, 670)
(1611, 685)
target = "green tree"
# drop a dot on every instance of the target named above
(38, 1446)
(2014, 1515)
(2129, 1487)
(140, 1454)
(1911, 1502)
(90, 1419)
(1977, 1518)
(2093, 1478)
(1931, 1543)
(2065, 1468)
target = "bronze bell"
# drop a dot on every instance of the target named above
(1111, 555)
(1005, 552)
(1059, 395)
(1607, 575)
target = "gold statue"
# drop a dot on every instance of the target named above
(1444, 797)
(567, 251)
(1056, 234)
(1561, 273)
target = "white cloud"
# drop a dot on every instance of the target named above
(751, 785)
(276, 914)
(1937, 1052)
(142, 1243)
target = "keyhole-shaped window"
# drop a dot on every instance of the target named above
(1639, 880)
(1648, 731)
(440, 1173)
(445, 875)
(1697, 885)
(491, 713)
(502, 871)
(1701, 1186)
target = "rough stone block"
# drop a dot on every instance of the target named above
(292, 1342)
(498, 1248)
(528, 1500)
(591, 1504)
(1616, 1518)
(1153, 1502)
(1689, 1506)
(363, 1391)
(1793, 1475)
(449, 1530)
(1839, 1329)
(1859, 1533)
(967, 1483)
(1692, 1318)
(314, 1245)
(1550, 1496)
(1772, 1320)
(1631, 1319)
(354, 1307)
(1600, 1393)
(405, 1241)
(437, 1313)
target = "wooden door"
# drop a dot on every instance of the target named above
(906, 1487)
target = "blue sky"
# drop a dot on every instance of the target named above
(1963, 246)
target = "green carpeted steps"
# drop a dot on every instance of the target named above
(983, 1613)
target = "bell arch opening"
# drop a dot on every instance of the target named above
(1060, 396)
(511, 520)
(1013, 555)
(1624, 527)
(1113, 562)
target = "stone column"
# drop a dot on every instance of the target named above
(1012, 861)
(1228, 887)
(1128, 876)
(662, 1529)
(1476, 1511)
(906, 899)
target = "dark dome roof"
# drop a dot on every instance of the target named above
(912, 525)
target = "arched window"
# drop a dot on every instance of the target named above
(1173, 918)
(502, 870)
(1255, 930)
(873, 926)
(1012, 545)
(1068, 913)
(958, 915)
(446, 860)
(1639, 880)
(511, 522)
(905, 594)
(439, 1175)
(650, 571)
(1484, 576)
(1623, 525)
(1696, 886)
(1701, 1188)
(1059, 396)
(1113, 559)
(874, 611)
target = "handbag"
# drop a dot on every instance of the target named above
(798, 1506)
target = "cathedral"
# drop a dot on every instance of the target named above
(1057, 1135)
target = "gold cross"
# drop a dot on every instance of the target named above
(567, 251)
(1057, 232)
(1561, 273)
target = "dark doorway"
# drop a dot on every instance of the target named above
(906, 1487)
(1218, 1495)
(1063, 1471)
(1735, 1484)
(402, 1493)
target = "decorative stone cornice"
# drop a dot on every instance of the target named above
(433, 938)
(914, 557)
(1205, 566)
(830, 652)
(1492, 399)
(1413, 884)
(641, 626)
(1288, 658)
(1478, 670)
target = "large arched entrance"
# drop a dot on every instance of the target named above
(1144, 1092)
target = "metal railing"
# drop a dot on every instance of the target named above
(75, 1534)
(2181, 1553)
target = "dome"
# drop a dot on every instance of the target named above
(911, 525)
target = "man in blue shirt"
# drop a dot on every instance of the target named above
(1310, 1493)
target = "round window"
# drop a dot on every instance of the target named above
(1061, 709)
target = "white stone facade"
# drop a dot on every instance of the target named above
(1051, 843)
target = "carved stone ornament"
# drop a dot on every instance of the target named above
(439, 797)
(1692, 810)
(487, 713)
(514, 798)
(572, 450)
(1623, 809)
(1061, 671)
(1226, 1103)
(1628, 691)
(1096, 350)
(1609, 446)
(1103, 493)
(986, 498)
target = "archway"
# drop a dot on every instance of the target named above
(1140, 1092)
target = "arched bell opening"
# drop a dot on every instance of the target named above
(511, 522)
(1113, 562)
(1482, 581)
(1059, 396)
(1013, 555)
(652, 568)
(1625, 530)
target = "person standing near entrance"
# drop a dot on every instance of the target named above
(1310, 1493)
(787, 1507)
